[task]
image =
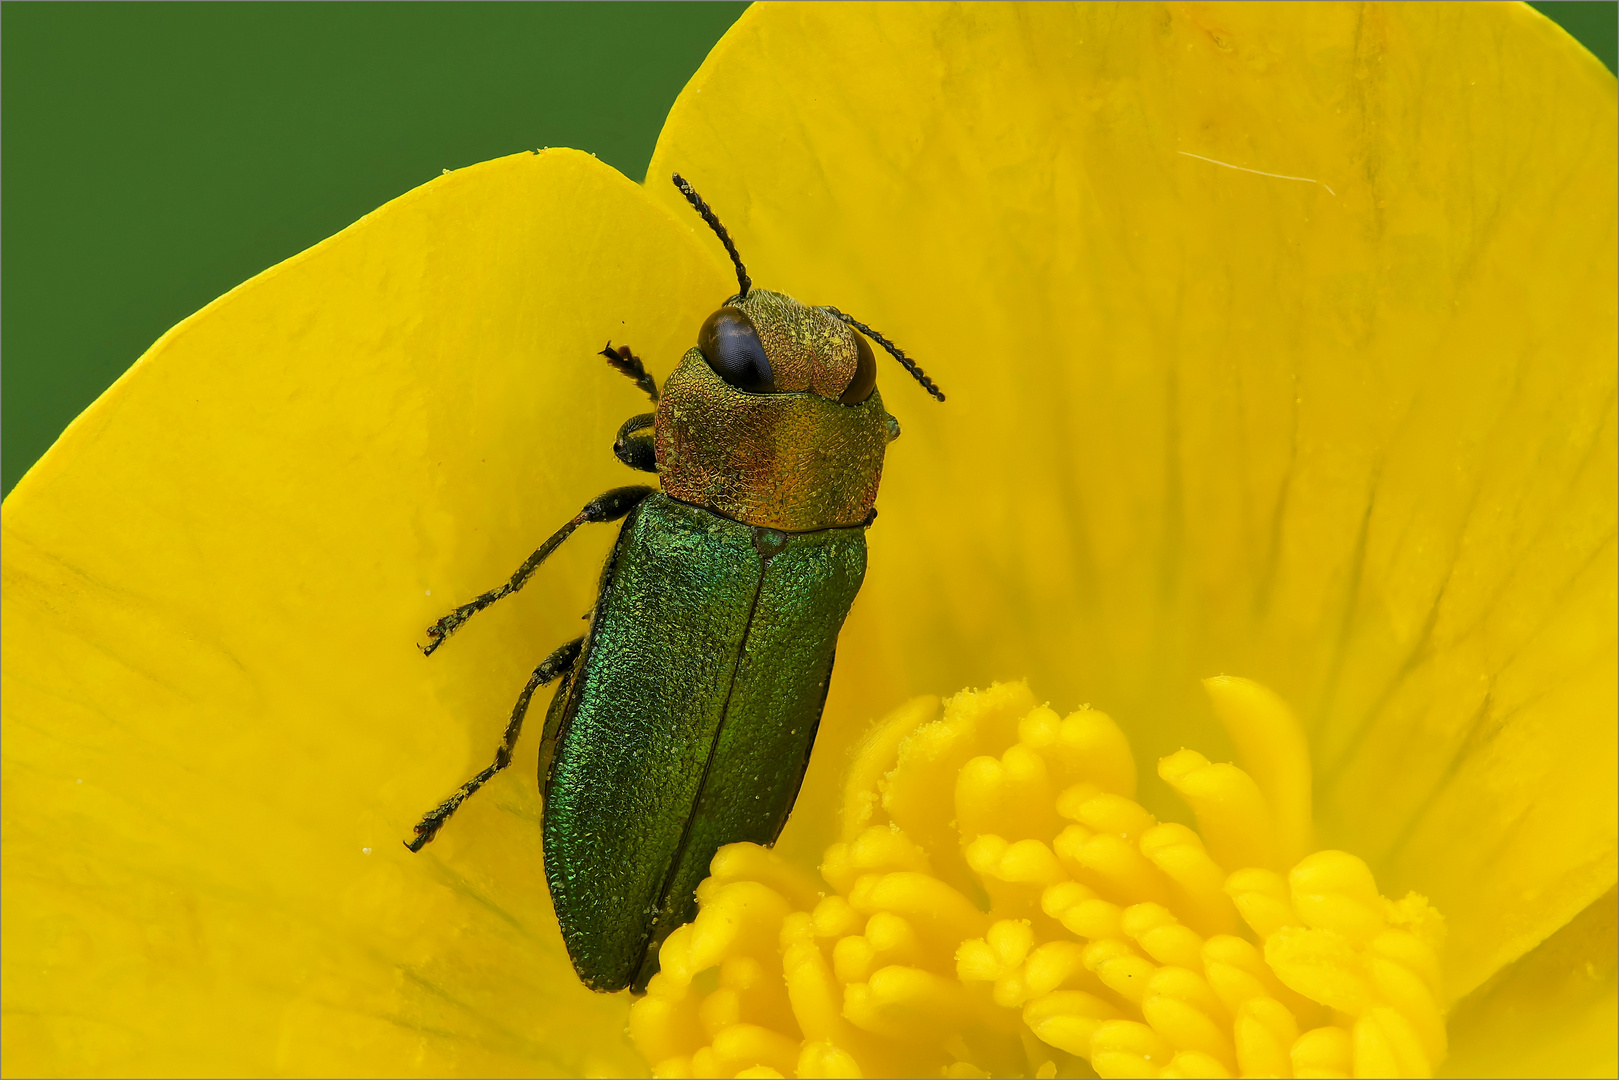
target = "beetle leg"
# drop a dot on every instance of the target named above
(608, 506)
(630, 366)
(558, 663)
(637, 451)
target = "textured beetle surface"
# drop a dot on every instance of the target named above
(686, 714)
(690, 722)
(690, 716)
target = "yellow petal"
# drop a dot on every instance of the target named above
(1549, 1014)
(1344, 422)
(217, 726)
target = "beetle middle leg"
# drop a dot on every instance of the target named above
(608, 506)
(634, 449)
(558, 663)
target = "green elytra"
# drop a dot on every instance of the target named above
(685, 716)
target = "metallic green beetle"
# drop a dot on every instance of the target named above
(685, 716)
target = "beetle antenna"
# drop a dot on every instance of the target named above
(893, 350)
(697, 203)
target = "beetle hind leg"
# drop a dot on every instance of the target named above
(558, 663)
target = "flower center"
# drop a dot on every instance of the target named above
(1001, 906)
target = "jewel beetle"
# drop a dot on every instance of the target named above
(684, 717)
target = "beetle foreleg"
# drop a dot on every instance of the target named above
(608, 506)
(630, 366)
(552, 666)
(637, 451)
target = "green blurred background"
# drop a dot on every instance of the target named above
(156, 155)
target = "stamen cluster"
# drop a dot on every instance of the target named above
(1001, 906)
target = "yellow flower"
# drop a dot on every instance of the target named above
(1279, 341)
(1001, 905)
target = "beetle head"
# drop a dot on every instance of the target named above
(769, 343)
(774, 417)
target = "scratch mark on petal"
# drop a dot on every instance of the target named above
(1258, 172)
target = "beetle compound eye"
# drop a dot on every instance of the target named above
(865, 375)
(732, 348)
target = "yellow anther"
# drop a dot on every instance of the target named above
(1161, 935)
(1074, 796)
(1322, 965)
(1333, 890)
(664, 1027)
(750, 862)
(1067, 845)
(705, 1063)
(1010, 796)
(1027, 862)
(1094, 920)
(1326, 1053)
(1140, 918)
(977, 962)
(1058, 898)
(833, 917)
(741, 915)
(1177, 944)
(1010, 939)
(1180, 1006)
(913, 796)
(1231, 813)
(1264, 1032)
(1114, 866)
(1114, 814)
(884, 849)
(934, 908)
(812, 988)
(1011, 990)
(893, 938)
(675, 967)
(1041, 729)
(822, 1058)
(1262, 899)
(741, 973)
(720, 1010)
(1404, 990)
(1273, 750)
(1236, 971)
(1067, 1019)
(1121, 969)
(1413, 954)
(1199, 883)
(1190, 1063)
(799, 926)
(904, 1003)
(678, 1068)
(853, 959)
(1058, 965)
(875, 757)
(1127, 1048)
(1090, 748)
(984, 853)
(744, 1046)
(1385, 1046)
(836, 868)
(1030, 862)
